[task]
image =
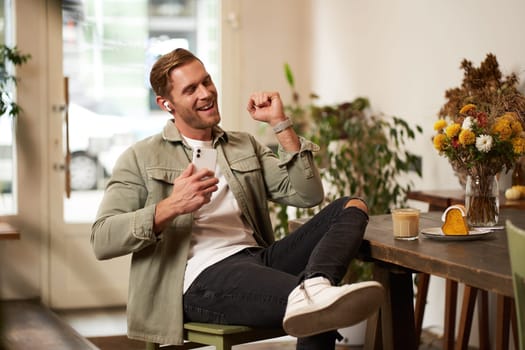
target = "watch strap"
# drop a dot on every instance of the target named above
(285, 124)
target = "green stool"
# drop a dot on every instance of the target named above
(223, 337)
(516, 242)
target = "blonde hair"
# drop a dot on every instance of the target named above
(159, 75)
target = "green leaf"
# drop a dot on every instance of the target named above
(9, 56)
(289, 75)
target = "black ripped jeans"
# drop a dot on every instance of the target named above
(251, 287)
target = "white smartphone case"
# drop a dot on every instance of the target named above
(204, 158)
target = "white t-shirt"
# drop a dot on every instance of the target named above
(218, 228)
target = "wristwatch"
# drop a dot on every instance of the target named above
(285, 124)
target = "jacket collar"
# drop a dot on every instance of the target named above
(172, 134)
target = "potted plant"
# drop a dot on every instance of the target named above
(362, 154)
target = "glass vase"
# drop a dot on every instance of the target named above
(482, 200)
(518, 175)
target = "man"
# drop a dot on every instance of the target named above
(201, 241)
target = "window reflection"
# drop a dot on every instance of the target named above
(108, 50)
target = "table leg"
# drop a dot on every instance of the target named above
(423, 280)
(379, 327)
(502, 322)
(451, 297)
(514, 321)
(467, 312)
(483, 319)
(373, 339)
(397, 312)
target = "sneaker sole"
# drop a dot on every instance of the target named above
(346, 311)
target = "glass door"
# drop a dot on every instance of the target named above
(108, 48)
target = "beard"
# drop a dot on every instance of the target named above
(196, 119)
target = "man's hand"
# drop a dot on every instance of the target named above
(266, 107)
(190, 192)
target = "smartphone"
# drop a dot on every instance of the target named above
(204, 158)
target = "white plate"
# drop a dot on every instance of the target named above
(437, 233)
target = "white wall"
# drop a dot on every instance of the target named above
(404, 54)
(270, 33)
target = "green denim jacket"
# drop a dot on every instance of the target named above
(144, 175)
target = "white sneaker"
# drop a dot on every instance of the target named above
(316, 306)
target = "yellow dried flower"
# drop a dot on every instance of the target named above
(452, 130)
(510, 116)
(489, 109)
(502, 128)
(518, 145)
(440, 124)
(516, 127)
(466, 137)
(467, 108)
(439, 141)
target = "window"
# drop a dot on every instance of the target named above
(109, 47)
(8, 203)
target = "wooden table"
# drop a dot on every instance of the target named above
(439, 200)
(483, 264)
(8, 232)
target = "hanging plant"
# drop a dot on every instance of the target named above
(9, 57)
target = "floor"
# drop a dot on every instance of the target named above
(30, 325)
(27, 324)
(96, 323)
(106, 329)
(118, 343)
(429, 342)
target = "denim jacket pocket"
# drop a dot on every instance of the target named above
(163, 174)
(160, 182)
(246, 165)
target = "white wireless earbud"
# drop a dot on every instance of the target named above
(167, 106)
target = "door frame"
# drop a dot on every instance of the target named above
(73, 277)
(54, 108)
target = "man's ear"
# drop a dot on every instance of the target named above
(164, 104)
